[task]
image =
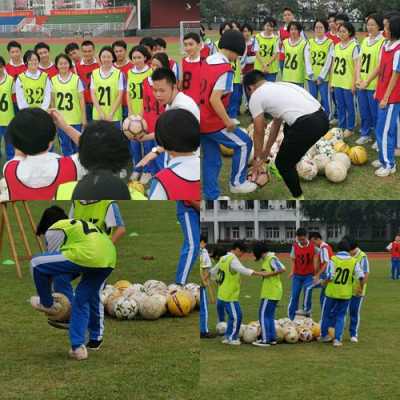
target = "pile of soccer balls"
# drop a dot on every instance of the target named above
(301, 329)
(150, 301)
(331, 157)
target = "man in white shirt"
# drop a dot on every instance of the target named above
(304, 124)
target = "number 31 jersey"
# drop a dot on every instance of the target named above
(85, 244)
(66, 98)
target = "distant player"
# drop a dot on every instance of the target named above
(190, 83)
(16, 64)
(394, 248)
(73, 52)
(149, 43)
(161, 47)
(333, 28)
(207, 45)
(251, 46)
(46, 65)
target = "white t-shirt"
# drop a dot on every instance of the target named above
(184, 102)
(121, 82)
(282, 100)
(225, 81)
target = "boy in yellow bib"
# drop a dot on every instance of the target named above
(340, 272)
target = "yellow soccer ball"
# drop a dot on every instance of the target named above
(64, 307)
(316, 330)
(122, 285)
(225, 151)
(341, 147)
(136, 186)
(358, 155)
(179, 303)
(331, 332)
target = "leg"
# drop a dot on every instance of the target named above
(354, 311)
(313, 88)
(65, 143)
(96, 316)
(294, 297)
(322, 296)
(324, 95)
(271, 77)
(341, 107)
(341, 310)
(203, 311)
(263, 319)
(388, 134)
(211, 166)
(270, 317)
(136, 151)
(373, 107)
(62, 284)
(220, 310)
(350, 110)
(363, 104)
(89, 112)
(326, 316)
(394, 268)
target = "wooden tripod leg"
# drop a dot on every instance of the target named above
(12, 242)
(22, 231)
(29, 214)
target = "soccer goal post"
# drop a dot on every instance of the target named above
(186, 27)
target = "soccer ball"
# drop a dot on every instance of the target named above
(308, 323)
(194, 288)
(225, 151)
(280, 334)
(336, 133)
(134, 289)
(153, 307)
(335, 171)
(298, 324)
(342, 158)
(192, 299)
(307, 169)
(291, 335)
(250, 334)
(316, 330)
(241, 330)
(179, 303)
(320, 161)
(111, 300)
(122, 285)
(341, 147)
(107, 291)
(125, 308)
(358, 155)
(153, 286)
(221, 328)
(134, 126)
(305, 335)
(63, 306)
(173, 287)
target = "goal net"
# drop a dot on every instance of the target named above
(186, 27)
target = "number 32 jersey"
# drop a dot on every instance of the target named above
(84, 244)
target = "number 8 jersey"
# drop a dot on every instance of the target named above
(67, 98)
(85, 244)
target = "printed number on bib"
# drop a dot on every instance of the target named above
(365, 63)
(105, 96)
(148, 106)
(3, 103)
(187, 78)
(341, 276)
(64, 101)
(340, 66)
(318, 58)
(34, 96)
(291, 63)
(220, 277)
(264, 52)
(85, 227)
(134, 88)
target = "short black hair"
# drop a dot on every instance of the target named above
(353, 244)
(270, 20)
(28, 55)
(288, 9)
(192, 35)
(71, 47)
(41, 45)
(203, 238)
(108, 49)
(247, 26)
(12, 44)
(148, 42)
(297, 24)
(259, 249)
(332, 15)
(120, 43)
(178, 130)
(350, 28)
(161, 42)
(394, 27)
(140, 49)
(163, 58)
(390, 14)
(65, 57)
(223, 26)
(164, 73)
(315, 235)
(50, 216)
(217, 252)
(342, 17)
(237, 23)
(87, 43)
(239, 244)
(343, 245)
(104, 146)
(2, 61)
(323, 22)
(377, 18)
(31, 131)
(301, 232)
(252, 78)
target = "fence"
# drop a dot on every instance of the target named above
(93, 28)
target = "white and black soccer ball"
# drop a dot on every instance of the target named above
(125, 308)
(134, 126)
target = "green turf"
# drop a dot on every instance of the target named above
(140, 360)
(367, 370)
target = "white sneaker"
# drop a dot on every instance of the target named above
(375, 146)
(354, 339)
(382, 171)
(337, 343)
(234, 342)
(245, 187)
(260, 343)
(145, 178)
(79, 354)
(363, 140)
(135, 176)
(376, 164)
(123, 173)
(325, 339)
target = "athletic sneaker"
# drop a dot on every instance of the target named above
(94, 345)
(245, 187)
(376, 164)
(337, 343)
(354, 339)
(145, 178)
(260, 343)
(375, 146)
(58, 324)
(234, 342)
(382, 172)
(325, 339)
(363, 140)
(123, 173)
(135, 176)
(300, 312)
(207, 335)
(79, 354)
(273, 343)
(35, 303)
(333, 122)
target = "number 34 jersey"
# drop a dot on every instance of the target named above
(67, 98)
(85, 244)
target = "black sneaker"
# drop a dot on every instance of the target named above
(94, 345)
(58, 324)
(207, 335)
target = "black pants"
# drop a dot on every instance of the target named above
(299, 137)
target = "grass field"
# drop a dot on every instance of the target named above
(367, 370)
(140, 359)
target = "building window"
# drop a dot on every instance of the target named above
(235, 233)
(249, 205)
(204, 232)
(209, 205)
(223, 204)
(249, 232)
(334, 231)
(227, 233)
(291, 204)
(271, 232)
(290, 232)
(313, 228)
(263, 204)
(360, 232)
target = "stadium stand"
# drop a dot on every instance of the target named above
(10, 20)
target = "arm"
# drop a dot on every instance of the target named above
(20, 95)
(389, 247)
(307, 61)
(60, 123)
(389, 90)
(274, 131)
(328, 63)
(47, 96)
(54, 239)
(118, 233)
(219, 108)
(83, 109)
(115, 105)
(96, 104)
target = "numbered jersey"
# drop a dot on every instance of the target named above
(304, 259)
(343, 66)
(106, 92)
(294, 68)
(319, 54)
(370, 60)
(67, 98)
(356, 282)
(228, 281)
(268, 47)
(341, 285)
(152, 109)
(272, 286)
(85, 244)
(33, 89)
(135, 89)
(191, 79)
(395, 250)
(6, 103)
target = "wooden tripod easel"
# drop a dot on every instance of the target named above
(5, 222)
